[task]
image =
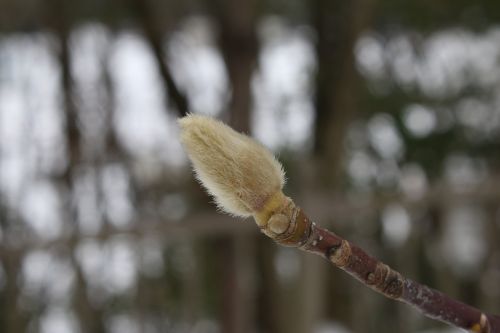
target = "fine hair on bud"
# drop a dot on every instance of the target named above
(235, 169)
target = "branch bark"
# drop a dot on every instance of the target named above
(307, 236)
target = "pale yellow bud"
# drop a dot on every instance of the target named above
(236, 170)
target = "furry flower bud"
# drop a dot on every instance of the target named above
(237, 171)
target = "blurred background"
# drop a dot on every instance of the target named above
(386, 115)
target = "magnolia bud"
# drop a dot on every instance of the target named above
(243, 177)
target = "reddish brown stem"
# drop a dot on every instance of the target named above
(304, 234)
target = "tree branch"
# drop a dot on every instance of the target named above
(153, 34)
(307, 236)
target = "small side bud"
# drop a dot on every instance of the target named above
(278, 223)
(236, 170)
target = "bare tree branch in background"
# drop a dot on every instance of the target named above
(338, 25)
(155, 36)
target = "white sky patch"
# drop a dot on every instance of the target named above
(174, 207)
(13, 175)
(41, 209)
(151, 257)
(110, 268)
(402, 61)
(331, 327)
(287, 264)
(462, 171)
(28, 94)
(115, 185)
(198, 67)
(362, 168)
(13, 119)
(88, 203)
(442, 65)
(370, 56)
(463, 242)
(48, 276)
(90, 256)
(413, 181)
(419, 120)
(48, 137)
(205, 326)
(384, 137)
(141, 120)
(454, 56)
(59, 320)
(91, 45)
(387, 173)
(34, 269)
(121, 265)
(441, 70)
(396, 225)
(357, 136)
(480, 117)
(283, 110)
(123, 324)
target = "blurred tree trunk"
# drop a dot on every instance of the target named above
(239, 47)
(268, 292)
(236, 22)
(236, 256)
(444, 280)
(11, 316)
(338, 25)
(488, 285)
(312, 296)
(90, 319)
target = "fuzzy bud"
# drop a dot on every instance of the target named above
(243, 177)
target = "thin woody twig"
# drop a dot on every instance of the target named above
(307, 236)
